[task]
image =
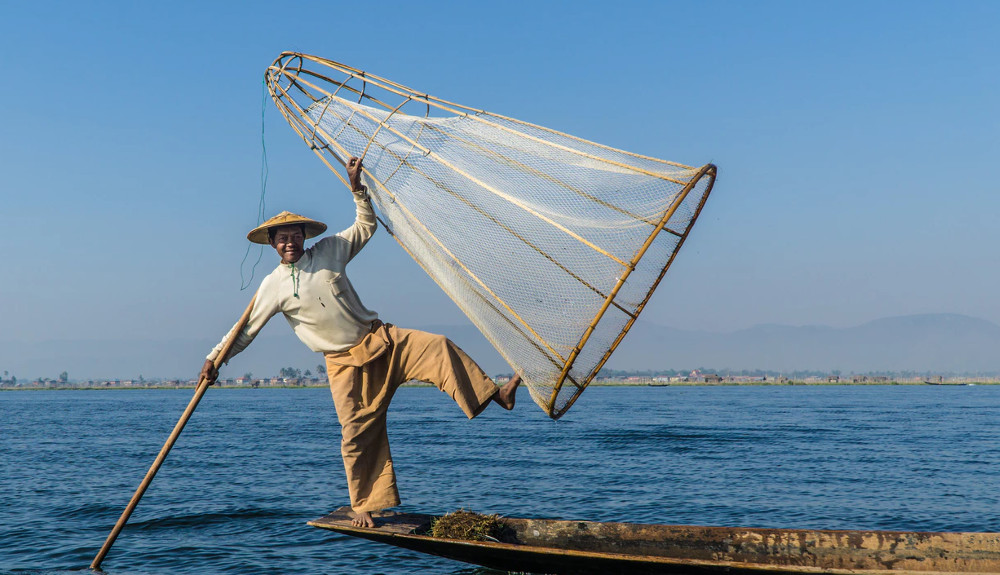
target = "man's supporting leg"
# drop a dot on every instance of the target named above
(361, 396)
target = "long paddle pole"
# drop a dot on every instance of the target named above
(198, 393)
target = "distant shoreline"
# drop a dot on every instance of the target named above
(72, 387)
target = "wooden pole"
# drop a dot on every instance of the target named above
(198, 393)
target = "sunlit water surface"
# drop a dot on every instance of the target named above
(254, 465)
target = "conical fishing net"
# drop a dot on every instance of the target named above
(550, 244)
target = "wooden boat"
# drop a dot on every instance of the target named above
(559, 546)
(928, 382)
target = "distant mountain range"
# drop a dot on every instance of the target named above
(930, 342)
(939, 343)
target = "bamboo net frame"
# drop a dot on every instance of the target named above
(440, 148)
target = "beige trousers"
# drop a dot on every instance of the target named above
(363, 381)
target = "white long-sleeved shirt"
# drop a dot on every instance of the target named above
(314, 293)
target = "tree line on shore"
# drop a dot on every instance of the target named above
(285, 374)
(297, 376)
(799, 374)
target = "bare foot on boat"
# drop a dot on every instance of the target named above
(363, 519)
(507, 395)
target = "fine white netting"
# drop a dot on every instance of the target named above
(550, 244)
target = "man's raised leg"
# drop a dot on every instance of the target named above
(507, 395)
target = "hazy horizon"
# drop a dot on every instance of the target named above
(925, 343)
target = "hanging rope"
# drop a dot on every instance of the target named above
(245, 283)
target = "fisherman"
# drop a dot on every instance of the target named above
(366, 359)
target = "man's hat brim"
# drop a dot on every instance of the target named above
(313, 228)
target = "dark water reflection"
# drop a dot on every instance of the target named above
(254, 465)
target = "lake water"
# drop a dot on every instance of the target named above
(253, 466)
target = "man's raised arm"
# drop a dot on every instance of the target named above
(365, 223)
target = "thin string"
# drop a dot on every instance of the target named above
(295, 281)
(245, 283)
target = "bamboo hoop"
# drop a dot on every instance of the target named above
(291, 72)
(198, 393)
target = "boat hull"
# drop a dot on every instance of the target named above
(558, 546)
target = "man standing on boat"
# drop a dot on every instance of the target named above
(366, 359)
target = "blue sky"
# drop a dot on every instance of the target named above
(856, 143)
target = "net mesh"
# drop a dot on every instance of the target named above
(550, 244)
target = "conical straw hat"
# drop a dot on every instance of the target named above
(258, 235)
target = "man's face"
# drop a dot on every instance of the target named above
(288, 242)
